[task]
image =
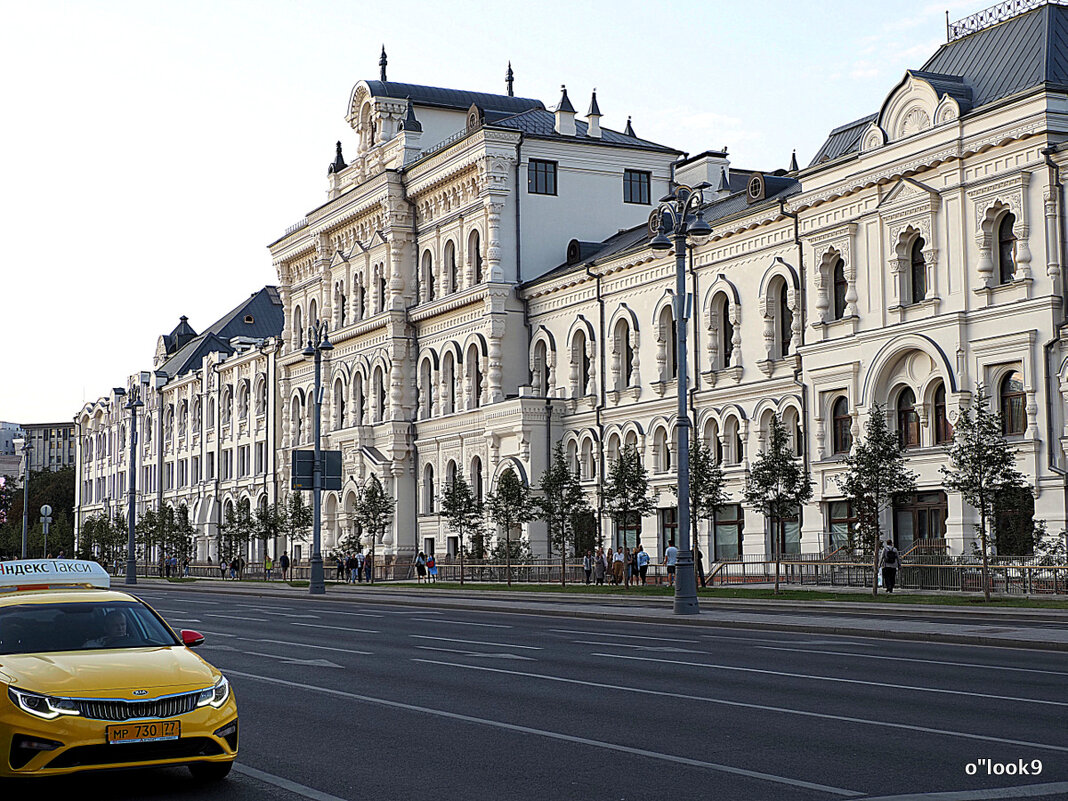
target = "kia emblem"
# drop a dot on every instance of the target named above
(140, 692)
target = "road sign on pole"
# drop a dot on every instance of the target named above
(303, 472)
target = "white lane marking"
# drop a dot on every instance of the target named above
(614, 634)
(759, 707)
(1023, 791)
(476, 642)
(922, 661)
(280, 657)
(554, 735)
(292, 614)
(285, 784)
(186, 620)
(350, 614)
(463, 623)
(333, 628)
(498, 655)
(838, 680)
(216, 633)
(306, 645)
(235, 617)
(671, 649)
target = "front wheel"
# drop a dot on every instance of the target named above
(210, 771)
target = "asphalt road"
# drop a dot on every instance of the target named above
(351, 700)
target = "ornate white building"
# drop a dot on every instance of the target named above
(484, 269)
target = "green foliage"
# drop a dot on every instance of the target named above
(627, 498)
(236, 531)
(104, 539)
(463, 512)
(298, 518)
(54, 488)
(1016, 533)
(707, 486)
(778, 485)
(270, 523)
(508, 508)
(373, 512)
(166, 530)
(982, 465)
(563, 504)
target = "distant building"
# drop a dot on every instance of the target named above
(52, 445)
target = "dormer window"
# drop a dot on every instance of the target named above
(249, 319)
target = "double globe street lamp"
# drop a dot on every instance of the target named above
(317, 344)
(676, 219)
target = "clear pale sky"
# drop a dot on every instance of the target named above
(150, 151)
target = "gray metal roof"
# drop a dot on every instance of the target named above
(1024, 52)
(265, 310)
(451, 98)
(542, 123)
(637, 238)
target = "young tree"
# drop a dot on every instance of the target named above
(707, 491)
(236, 529)
(562, 505)
(374, 512)
(982, 465)
(510, 506)
(778, 486)
(298, 518)
(181, 540)
(626, 492)
(269, 525)
(875, 475)
(463, 512)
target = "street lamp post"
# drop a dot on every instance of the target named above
(317, 343)
(679, 214)
(26, 447)
(133, 405)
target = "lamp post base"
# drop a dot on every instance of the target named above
(685, 585)
(131, 571)
(317, 585)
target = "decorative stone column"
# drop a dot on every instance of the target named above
(494, 207)
(494, 361)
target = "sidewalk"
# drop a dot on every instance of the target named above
(1038, 629)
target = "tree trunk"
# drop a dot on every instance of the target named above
(508, 552)
(775, 549)
(986, 565)
(461, 556)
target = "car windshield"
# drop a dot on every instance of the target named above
(38, 628)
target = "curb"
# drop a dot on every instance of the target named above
(442, 601)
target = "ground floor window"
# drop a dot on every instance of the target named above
(788, 530)
(669, 528)
(920, 521)
(428, 545)
(628, 533)
(727, 533)
(452, 547)
(1014, 522)
(840, 521)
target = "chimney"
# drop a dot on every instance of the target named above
(593, 118)
(711, 167)
(565, 115)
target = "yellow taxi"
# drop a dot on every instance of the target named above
(92, 678)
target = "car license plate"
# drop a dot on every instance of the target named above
(148, 732)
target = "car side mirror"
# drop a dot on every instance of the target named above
(191, 639)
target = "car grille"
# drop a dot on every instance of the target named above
(87, 755)
(136, 710)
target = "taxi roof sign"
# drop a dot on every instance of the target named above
(52, 573)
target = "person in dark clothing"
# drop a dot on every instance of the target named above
(891, 561)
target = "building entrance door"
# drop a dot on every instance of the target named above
(920, 520)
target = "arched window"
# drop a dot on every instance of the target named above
(588, 465)
(661, 451)
(379, 396)
(428, 490)
(211, 413)
(669, 342)
(448, 384)
(381, 287)
(792, 422)
(1006, 249)
(261, 395)
(572, 457)
(786, 322)
(242, 400)
(196, 416)
(908, 420)
(450, 474)
(732, 437)
(841, 426)
(298, 328)
(726, 332)
(580, 362)
(426, 390)
(622, 356)
(313, 313)
(450, 267)
(359, 302)
(1013, 405)
(943, 431)
(358, 404)
(476, 479)
(427, 276)
(474, 376)
(339, 405)
(841, 286)
(540, 374)
(296, 417)
(919, 271)
(474, 253)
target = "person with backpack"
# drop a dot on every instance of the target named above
(432, 568)
(891, 560)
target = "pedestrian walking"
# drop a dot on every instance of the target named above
(891, 560)
(369, 566)
(268, 566)
(283, 564)
(185, 566)
(617, 566)
(359, 567)
(587, 565)
(339, 573)
(240, 567)
(671, 559)
(420, 568)
(643, 562)
(431, 568)
(701, 567)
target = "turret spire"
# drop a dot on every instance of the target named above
(509, 78)
(382, 65)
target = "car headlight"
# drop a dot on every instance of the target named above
(215, 696)
(42, 706)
